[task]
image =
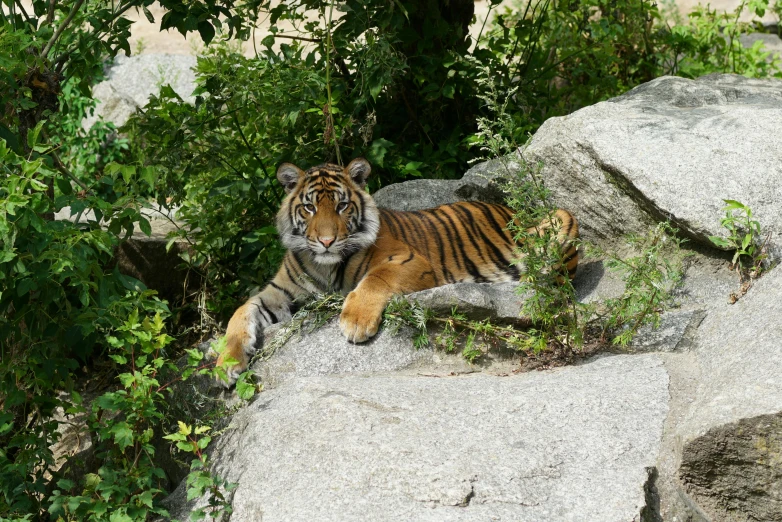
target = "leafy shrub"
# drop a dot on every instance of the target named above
(62, 303)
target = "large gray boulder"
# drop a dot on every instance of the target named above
(669, 149)
(130, 81)
(571, 444)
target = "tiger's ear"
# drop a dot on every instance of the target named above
(288, 175)
(359, 171)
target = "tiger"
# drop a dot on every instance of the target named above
(338, 240)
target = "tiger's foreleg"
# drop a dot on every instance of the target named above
(364, 306)
(245, 329)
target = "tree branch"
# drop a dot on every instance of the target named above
(63, 170)
(60, 29)
(50, 14)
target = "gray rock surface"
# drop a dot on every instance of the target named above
(675, 332)
(498, 301)
(669, 149)
(483, 182)
(417, 194)
(740, 354)
(567, 445)
(730, 375)
(325, 351)
(735, 471)
(130, 81)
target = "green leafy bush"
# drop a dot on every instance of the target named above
(63, 305)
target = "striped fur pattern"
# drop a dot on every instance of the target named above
(338, 240)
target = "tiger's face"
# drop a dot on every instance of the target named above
(327, 213)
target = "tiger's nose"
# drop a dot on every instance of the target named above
(326, 241)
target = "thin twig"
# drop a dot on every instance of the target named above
(21, 7)
(480, 33)
(302, 38)
(58, 164)
(65, 23)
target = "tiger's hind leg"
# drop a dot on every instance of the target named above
(363, 309)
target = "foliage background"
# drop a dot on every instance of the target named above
(399, 82)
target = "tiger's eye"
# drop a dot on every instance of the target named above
(342, 206)
(309, 208)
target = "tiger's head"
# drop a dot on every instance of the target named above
(327, 212)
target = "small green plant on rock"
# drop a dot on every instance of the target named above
(650, 278)
(745, 239)
(201, 481)
(552, 307)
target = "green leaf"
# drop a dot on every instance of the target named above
(127, 379)
(244, 389)
(720, 242)
(32, 134)
(402, 8)
(25, 285)
(206, 31)
(120, 516)
(144, 225)
(123, 435)
(128, 172)
(91, 480)
(65, 484)
(203, 442)
(119, 359)
(448, 91)
(377, 151)
(146, 498)
(148, 175)
(733, 204)
(148, 14)
(184, 429)
(64, 185)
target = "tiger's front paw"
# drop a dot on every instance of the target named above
(244, 332)
(359, 319)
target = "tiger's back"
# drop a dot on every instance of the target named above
(471, 241)
(338, 240)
